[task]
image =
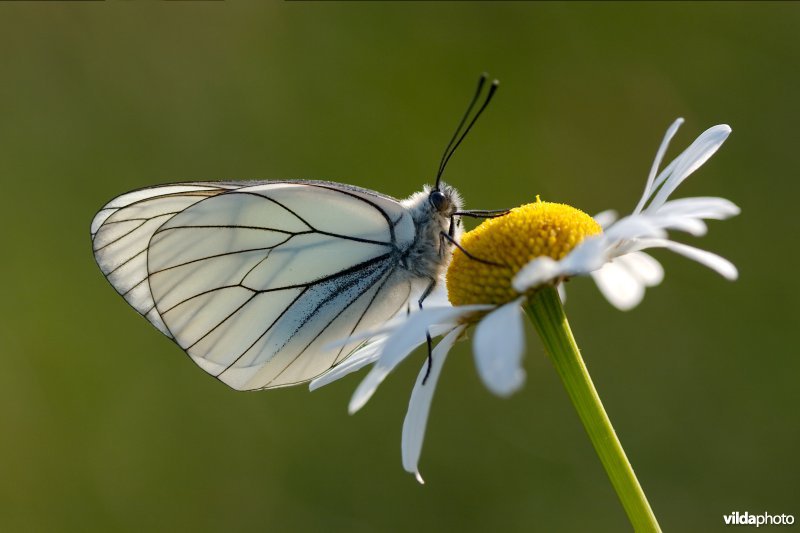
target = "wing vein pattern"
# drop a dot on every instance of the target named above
(254, 280)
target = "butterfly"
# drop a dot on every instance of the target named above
(257, 280)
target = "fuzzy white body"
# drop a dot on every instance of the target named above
(255, 280)
(429, 255)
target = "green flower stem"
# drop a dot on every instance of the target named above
(547, 315)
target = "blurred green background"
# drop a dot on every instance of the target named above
(106, 426)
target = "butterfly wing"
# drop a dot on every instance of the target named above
(255, 281)
(121, 233)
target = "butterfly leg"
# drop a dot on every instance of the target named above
(451, 231)
(483, 213)
(427, 292)
(444, 235)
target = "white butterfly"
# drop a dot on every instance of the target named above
(256, 280)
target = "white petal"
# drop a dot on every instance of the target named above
(498, 346)
(713, 261)
(367, 354)
(402, 341)
(359, 359)
(634, 226)
(701, 207)
(605, 218)
(648, 189)
(420, 404)
(621, 288)
(690, 225)
(644, 267)
(539, 271)
(589, 255)
(418, 319)
(693, 158)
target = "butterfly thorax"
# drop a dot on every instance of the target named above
(429, 254)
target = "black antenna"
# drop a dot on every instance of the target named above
(481, 81)
(453, 144)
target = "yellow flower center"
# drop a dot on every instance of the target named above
(513, 240)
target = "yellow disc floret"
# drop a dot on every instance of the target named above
(513, 240)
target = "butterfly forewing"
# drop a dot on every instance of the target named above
(121, 233)
(255, 282)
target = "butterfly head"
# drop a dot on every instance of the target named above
(443, 200)
(434, 207)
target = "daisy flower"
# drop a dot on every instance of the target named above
(519, 260)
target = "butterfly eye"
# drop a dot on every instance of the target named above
(438, 200)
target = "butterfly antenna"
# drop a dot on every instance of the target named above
(481, 82)
(453, 144)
